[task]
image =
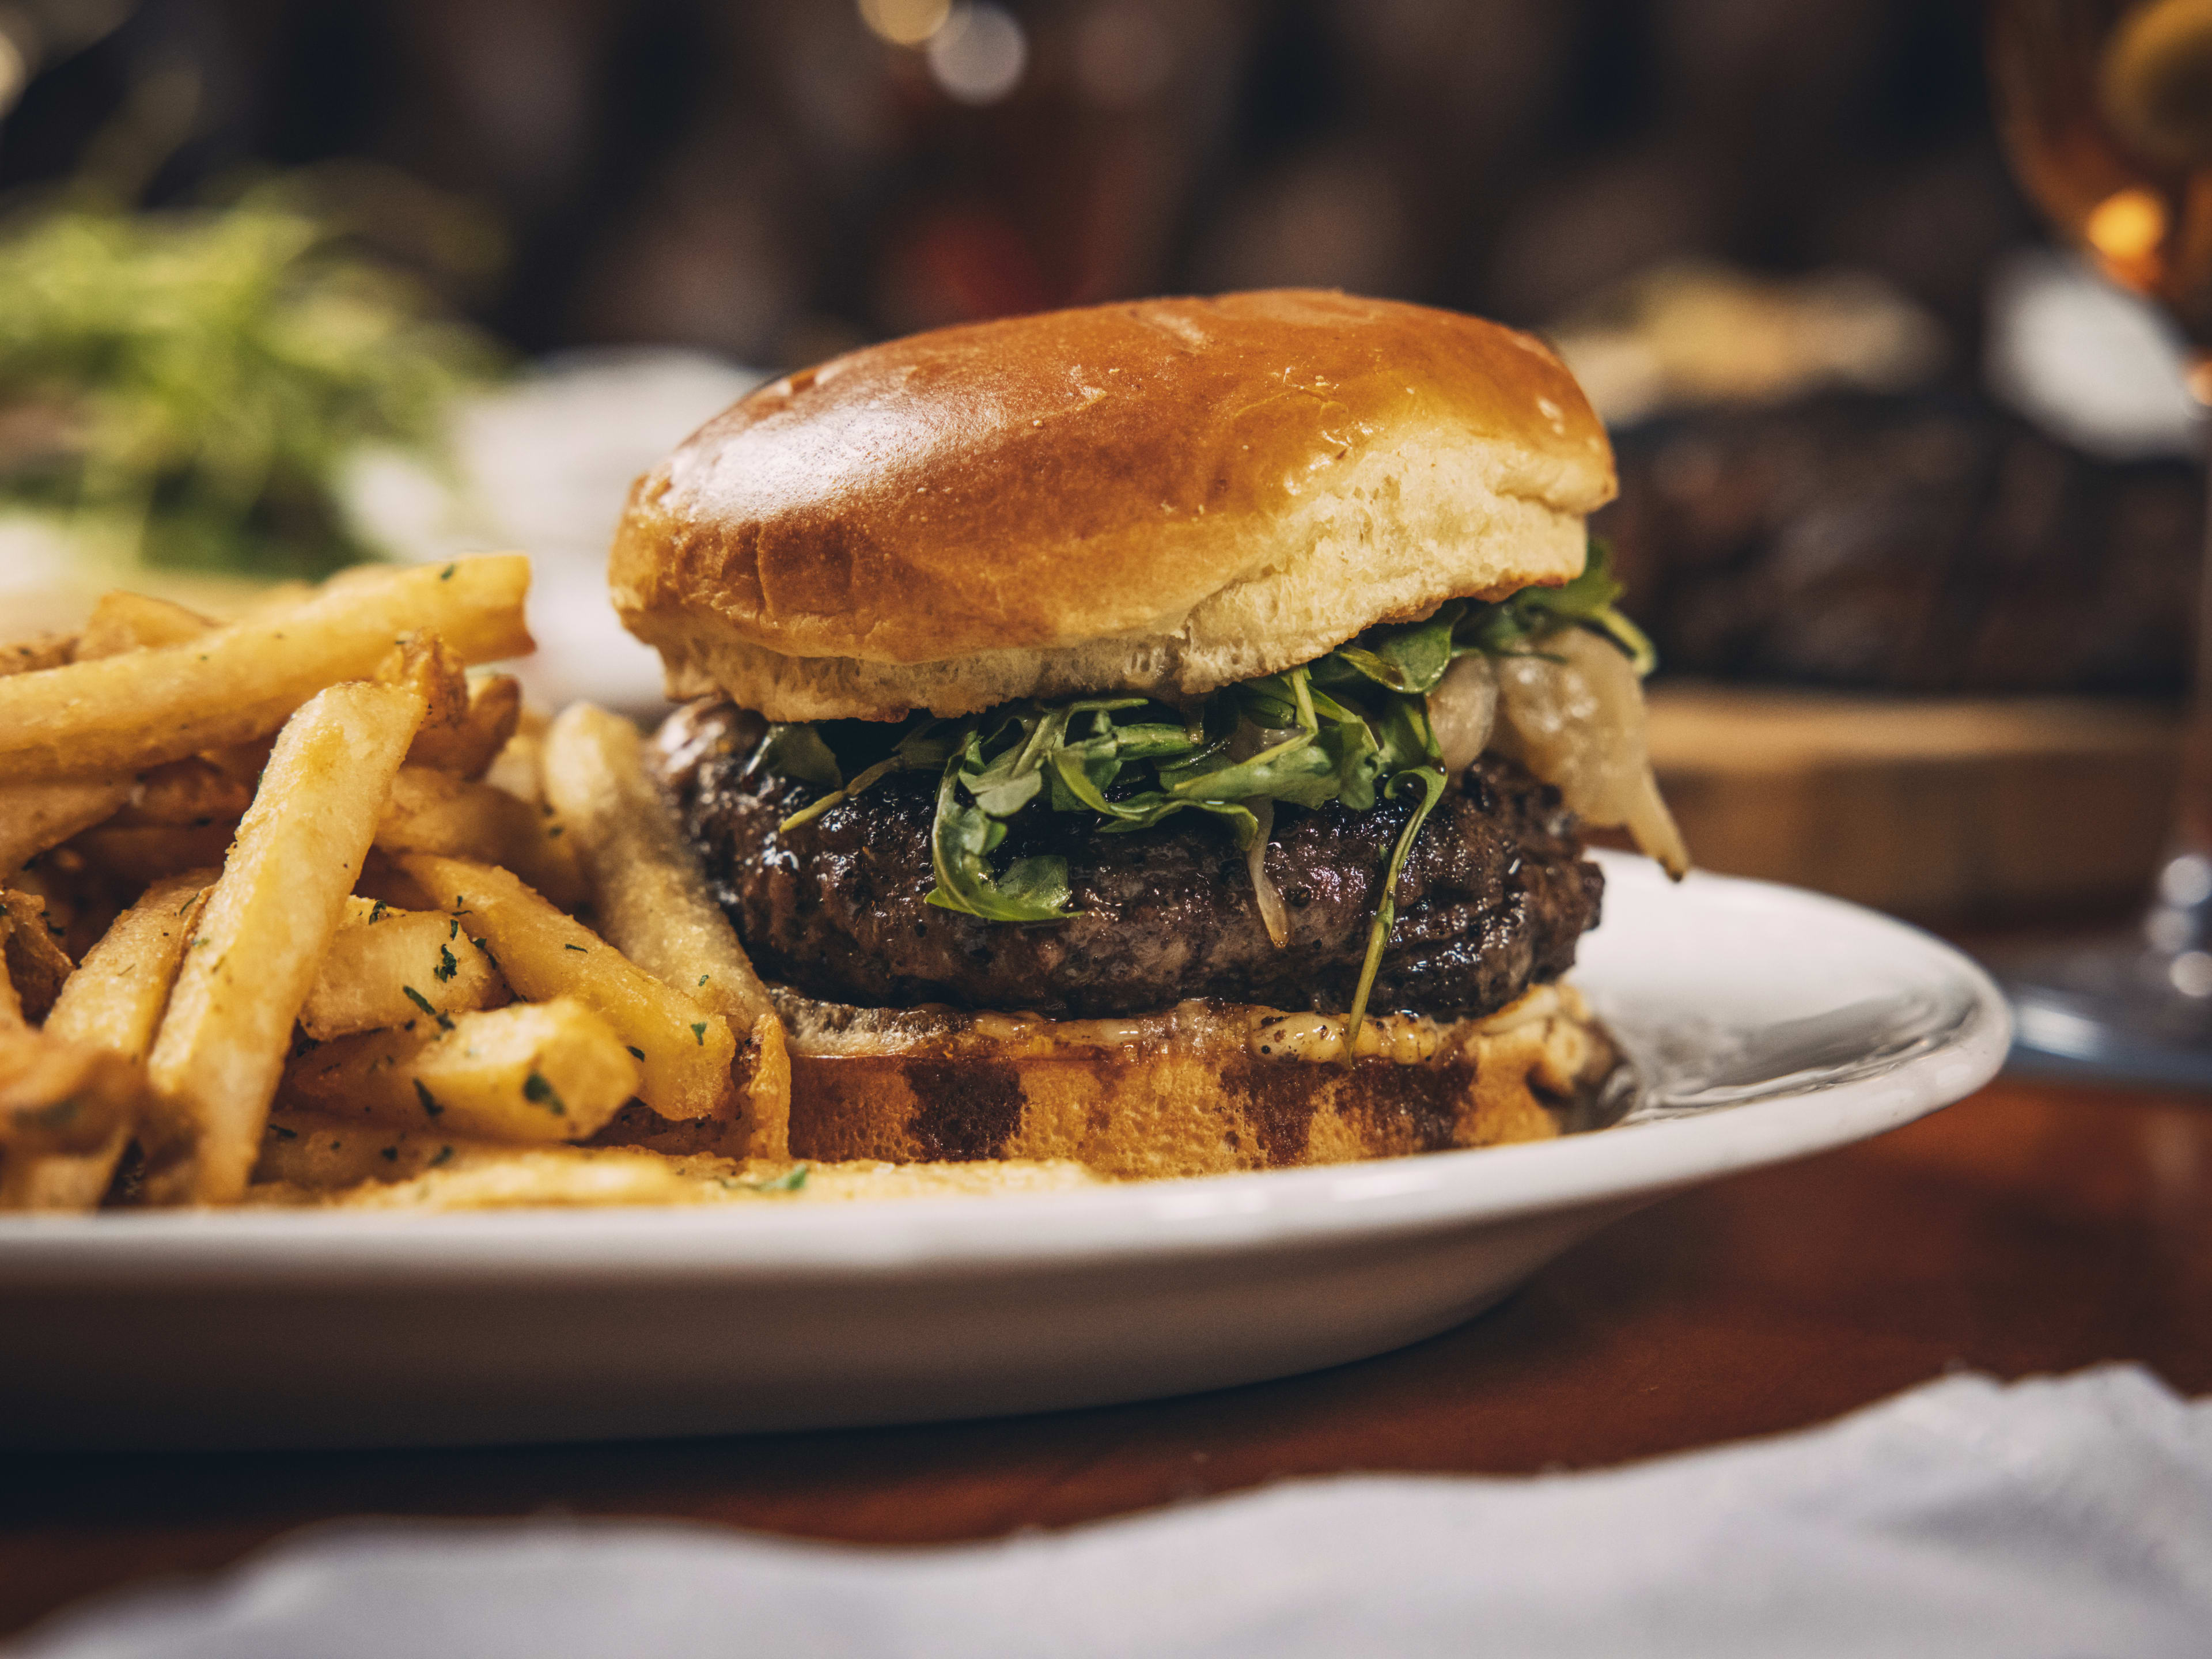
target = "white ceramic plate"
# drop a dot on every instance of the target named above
(1767, 1023)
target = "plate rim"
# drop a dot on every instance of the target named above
(1163, 1220)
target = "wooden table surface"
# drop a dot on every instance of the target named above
(2032, 1228)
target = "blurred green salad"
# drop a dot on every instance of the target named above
(189, 385)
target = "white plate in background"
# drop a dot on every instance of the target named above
(545, 467)
(542, 466)
(1769, 1023)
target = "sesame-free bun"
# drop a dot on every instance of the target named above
(1161, 496)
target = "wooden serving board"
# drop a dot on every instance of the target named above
(1942, 809)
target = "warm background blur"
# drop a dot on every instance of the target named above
(775, 179)
(1878, 442)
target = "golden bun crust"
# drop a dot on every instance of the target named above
(1205, 1091)
(1162, 497)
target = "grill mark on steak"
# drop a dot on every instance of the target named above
(1492, 897)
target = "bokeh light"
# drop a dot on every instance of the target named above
(978, 56)
(14, 72)
(2126, 225)
(905, 23)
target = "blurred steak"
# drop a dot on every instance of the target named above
(1910, 544)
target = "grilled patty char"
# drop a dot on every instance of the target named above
(1492, 897)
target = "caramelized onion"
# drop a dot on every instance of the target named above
(1574, 716)
(1270, 901)
(1653, 828)
(1462, 709)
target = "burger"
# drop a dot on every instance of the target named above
(1159, 734)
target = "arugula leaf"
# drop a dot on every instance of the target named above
(925, 748)
(1153, 742)
(1032, 890)
(922, 749)
(1004, 785)
(799, 751)
(1386, 908)
(1007, 794)
(1586, 602)
(1037, 885)
(1407, 738)
(1410, 659)
(1269, 702)
(1083, 775)
(1349, 741)
(1143, 811)
(1352, 727)
(1297, 770)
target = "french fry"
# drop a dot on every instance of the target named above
(114, 998)
(58, 1101)
(148, 853)
(284, 595)
(267, 922)
(468, 746)
(686, 1050)
(313, 1157)
(40, 651)
(389, 967)
(319, 1152)
(80, 901)
(11, 1003)
(651, 901)
(36, 816)
(37, 965)
(648, 894)
(431, 812)
(768, 1091)
(380, 879)
(123, 621)
(127, 713)
(515, 768)
(243, 761)
(537, 1178)
(534, 1071)
(194, 791)
(113, 1002)
(57, 1096)
(433, 668)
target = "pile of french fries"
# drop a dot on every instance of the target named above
(297, 909)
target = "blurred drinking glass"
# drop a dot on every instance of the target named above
(2106, 107)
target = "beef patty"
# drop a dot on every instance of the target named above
(1492, 896)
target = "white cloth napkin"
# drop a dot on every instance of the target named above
(2067, 1517)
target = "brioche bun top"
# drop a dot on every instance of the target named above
(1161, 496)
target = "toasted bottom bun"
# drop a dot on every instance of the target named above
(1204, 1088)
(929, 1103)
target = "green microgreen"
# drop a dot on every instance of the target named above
(789, 1181)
